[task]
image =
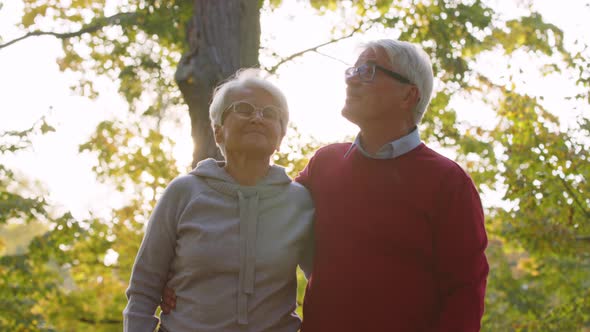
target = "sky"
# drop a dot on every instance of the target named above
(31, 85)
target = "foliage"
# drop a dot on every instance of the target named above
(70, 285)
(296, 149)
(28, 278)
(546, 172)
(141, 42)
(539, 240)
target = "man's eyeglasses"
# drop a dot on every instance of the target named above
(246, 110)
(366, 73)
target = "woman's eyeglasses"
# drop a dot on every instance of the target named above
(246, 110)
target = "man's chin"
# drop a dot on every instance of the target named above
(349, 113)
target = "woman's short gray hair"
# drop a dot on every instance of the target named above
(246, 78)
(412, 62)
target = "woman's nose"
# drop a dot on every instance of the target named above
(257, 116)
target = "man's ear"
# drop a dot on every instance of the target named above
(412, 96)
(218, 133)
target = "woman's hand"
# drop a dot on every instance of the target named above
(168, 300)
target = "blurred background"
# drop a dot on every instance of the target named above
(101, 106)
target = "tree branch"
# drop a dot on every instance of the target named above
(102, 321)
(274, 68)
(575, 197)
(333, 58)
(94, 26)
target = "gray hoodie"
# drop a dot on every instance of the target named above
(232, 252)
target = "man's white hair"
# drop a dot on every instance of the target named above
(245, 78)
(413, 63)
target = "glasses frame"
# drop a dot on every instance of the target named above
(356, 71)
(258, 111)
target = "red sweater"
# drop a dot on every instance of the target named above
(399, 244)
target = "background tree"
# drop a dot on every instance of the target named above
(167, 54)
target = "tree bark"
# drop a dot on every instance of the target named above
(223, 36)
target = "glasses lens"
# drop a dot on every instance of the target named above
(366, 72)
(243, 109)
(270, 113)
(350, 72)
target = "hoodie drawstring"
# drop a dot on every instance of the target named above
(248, 224)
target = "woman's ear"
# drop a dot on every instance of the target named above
(278, 147)
(218, 133)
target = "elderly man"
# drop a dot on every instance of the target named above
(399, 228)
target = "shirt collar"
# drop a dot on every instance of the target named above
(391, 149)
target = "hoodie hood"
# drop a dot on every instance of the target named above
(214, 174)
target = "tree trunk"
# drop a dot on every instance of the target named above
(223, 35)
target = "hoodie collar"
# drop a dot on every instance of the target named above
(214, 174)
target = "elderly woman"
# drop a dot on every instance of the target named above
(230, 234)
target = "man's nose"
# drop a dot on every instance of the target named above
(352, 79)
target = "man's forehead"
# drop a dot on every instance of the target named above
(376, 55)
(367, 54)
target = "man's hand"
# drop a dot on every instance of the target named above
(168, 300)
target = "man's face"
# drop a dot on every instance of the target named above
(382, 99)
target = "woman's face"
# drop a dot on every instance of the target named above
(259, 133)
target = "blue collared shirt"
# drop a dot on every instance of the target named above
(392, 149)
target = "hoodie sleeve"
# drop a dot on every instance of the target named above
(306, 261)
(150, 270)
(307, 250)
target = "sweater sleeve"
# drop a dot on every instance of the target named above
(150, 270)
(304, 177)
(461, 265)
